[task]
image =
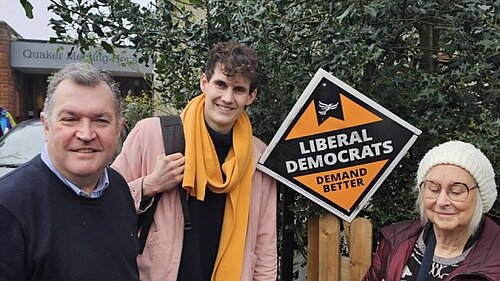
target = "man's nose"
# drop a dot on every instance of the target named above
(228, 95)
(85, 131)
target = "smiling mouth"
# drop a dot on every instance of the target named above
(85, 150)
(444, 214)
(224, 108)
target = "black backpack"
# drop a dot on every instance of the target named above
(173, 140)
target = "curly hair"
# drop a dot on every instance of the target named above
(235, 59)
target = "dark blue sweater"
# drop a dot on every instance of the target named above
(47, 232)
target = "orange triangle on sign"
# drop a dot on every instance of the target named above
(354, 115)
(343, 186)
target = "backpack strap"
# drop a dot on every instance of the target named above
(173, 140)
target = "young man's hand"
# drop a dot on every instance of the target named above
(168, 173)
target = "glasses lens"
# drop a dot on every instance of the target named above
(431, 189)
(458, 192)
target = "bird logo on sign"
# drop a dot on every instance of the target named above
(326, 98)
(325, 107)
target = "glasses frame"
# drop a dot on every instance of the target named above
(422, 184)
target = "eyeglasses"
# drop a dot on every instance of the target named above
(457, 191)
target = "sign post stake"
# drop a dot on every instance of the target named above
(360, 247)
(329, 248)
(287, 231)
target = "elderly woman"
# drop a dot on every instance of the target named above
(453, 240)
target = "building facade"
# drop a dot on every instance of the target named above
(26, 65)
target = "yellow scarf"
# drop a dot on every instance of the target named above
(202, 167)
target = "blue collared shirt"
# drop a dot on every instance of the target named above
(101, 185)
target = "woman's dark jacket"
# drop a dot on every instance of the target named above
(398, 240)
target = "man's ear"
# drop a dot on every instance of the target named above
(45, 122)
(43, 118)
(203, 82)
(121, 125)
(253, 95)
(122, 121)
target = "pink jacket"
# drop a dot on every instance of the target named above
(161, 258)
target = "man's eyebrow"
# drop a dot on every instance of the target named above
(74, 113)
(102, 114)
(66, 112)
(219, 81)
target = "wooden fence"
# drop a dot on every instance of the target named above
(324, 262)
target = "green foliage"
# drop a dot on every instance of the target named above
(376, 47)
(136, 108)
(433, 63)
(28, 8)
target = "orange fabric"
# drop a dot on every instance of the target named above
(202, 170)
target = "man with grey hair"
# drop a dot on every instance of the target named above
(65, 215)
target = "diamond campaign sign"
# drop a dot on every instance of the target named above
(336, 146)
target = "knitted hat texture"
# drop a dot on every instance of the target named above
(468, 157)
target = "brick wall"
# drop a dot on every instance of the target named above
(9, 94)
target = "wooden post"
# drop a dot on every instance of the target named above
(360, 247)
(329, 248)
(312, 248)
(324, 262)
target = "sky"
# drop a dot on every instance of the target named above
(13, 14)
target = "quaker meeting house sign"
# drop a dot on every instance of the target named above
(336, 146)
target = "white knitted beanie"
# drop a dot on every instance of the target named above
(468, 157)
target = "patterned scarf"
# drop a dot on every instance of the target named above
(202, 170)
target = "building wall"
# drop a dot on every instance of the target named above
(9, 78)
(22, 89)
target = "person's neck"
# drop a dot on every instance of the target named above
(450, 244)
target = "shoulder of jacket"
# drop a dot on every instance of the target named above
(493, 229)
(406, 229)
(25, 182)
(148, 121)
(259, 144)
(147, 127)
